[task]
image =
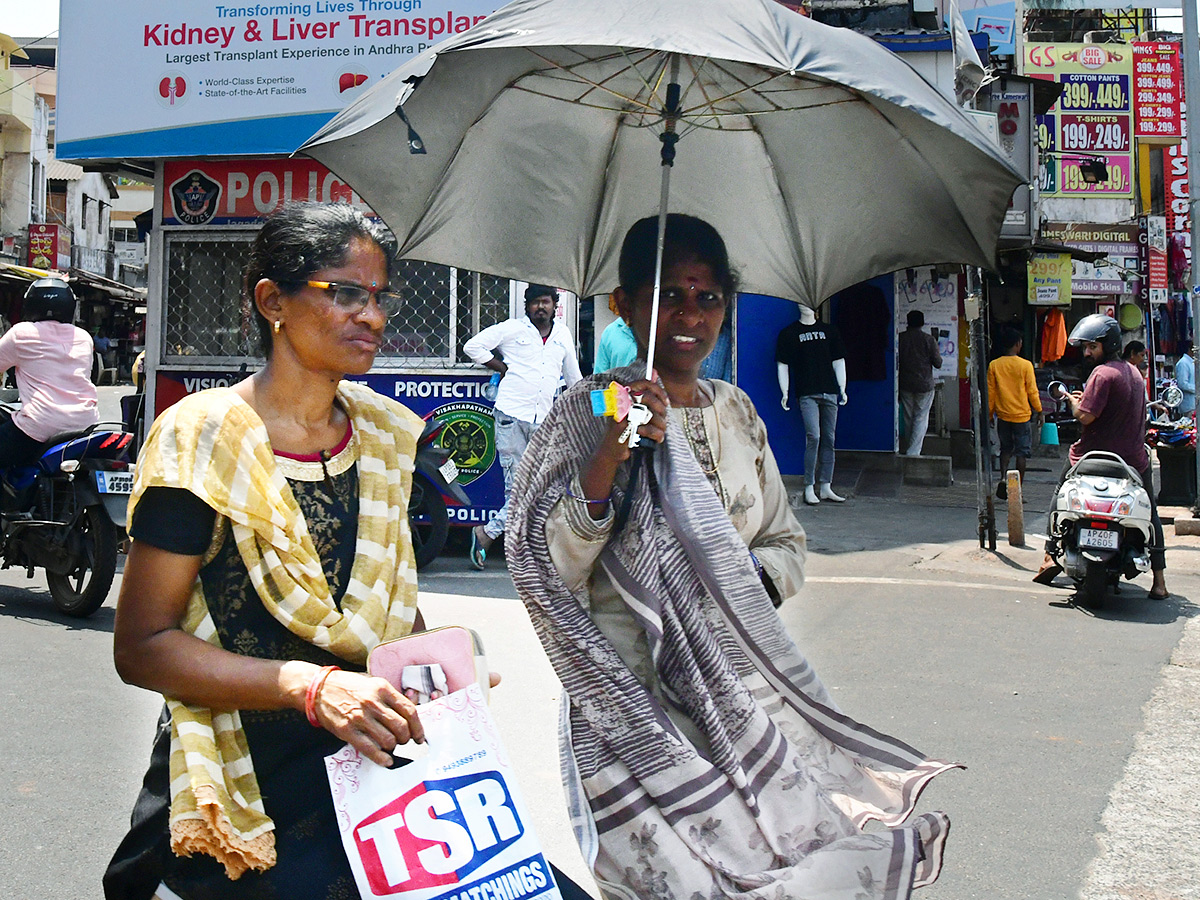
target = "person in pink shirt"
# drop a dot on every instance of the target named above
(53, 359)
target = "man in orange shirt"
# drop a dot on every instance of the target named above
(1013, 400)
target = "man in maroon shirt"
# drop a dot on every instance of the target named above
(1112, 410)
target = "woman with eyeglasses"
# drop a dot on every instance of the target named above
(271, 551)
(702, 756)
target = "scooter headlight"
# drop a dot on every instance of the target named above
(1074, 501)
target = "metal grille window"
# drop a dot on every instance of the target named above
(205, 320)
(203, 306)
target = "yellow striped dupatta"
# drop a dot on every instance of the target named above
(214, 445)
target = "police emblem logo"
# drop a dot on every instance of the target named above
(468, 433)
(194, 198)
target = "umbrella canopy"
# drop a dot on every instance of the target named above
(822, 158)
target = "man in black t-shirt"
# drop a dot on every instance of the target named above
(811, 363)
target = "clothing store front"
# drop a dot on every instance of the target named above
(868, 318)
(1062, 290)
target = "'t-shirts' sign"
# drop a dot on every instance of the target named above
(175, 78)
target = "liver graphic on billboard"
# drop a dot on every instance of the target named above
(178, 78)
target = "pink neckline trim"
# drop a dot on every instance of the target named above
(316, 457)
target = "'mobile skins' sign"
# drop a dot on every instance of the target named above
(178, 78)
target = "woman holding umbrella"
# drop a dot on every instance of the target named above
(702, 755)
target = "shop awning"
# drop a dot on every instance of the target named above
(115, 289)
(10, 272)
(1087, 256)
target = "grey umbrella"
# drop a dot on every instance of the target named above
(526, 147)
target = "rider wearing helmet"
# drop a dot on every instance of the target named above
(53, 360)
(1112, 410)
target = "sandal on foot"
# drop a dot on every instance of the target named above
(1047, 573)
(1153, 596)
(478, 552)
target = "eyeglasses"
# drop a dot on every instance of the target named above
(353, 298)
(673, 298)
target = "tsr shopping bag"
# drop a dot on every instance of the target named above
(449, 826)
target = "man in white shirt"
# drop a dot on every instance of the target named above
(532, 354)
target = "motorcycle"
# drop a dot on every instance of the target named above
(66, 514)
(1100, 525)
(434, 483)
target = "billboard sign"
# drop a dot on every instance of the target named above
(1158, 92)
(171, 78)
(1092, 120)
(49, 247)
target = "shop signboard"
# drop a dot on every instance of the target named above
(49, 247)
(244, 191)
(1158, 92)
(456, 399)
(178, 78)
(1116, 272)
(1092, 120)
(1152, 258)
(1012, 104)
(1175, 183)
(936, 296)
(1049, 278)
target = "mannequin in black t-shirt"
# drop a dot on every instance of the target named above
(811, 363)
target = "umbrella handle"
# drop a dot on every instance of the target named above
(669, 138)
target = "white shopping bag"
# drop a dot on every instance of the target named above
(450, 825)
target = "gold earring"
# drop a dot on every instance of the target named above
(278, 325)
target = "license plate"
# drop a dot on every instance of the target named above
(114, 482)
(1095, 539)
(449, 471)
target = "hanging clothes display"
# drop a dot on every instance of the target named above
(1054, 336)
(1165, 327)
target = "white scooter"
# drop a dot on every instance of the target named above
(1100, 523)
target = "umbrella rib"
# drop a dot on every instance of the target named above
(594, 84)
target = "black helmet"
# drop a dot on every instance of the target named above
(1100, 328)
(49, 298)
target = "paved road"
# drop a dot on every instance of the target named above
(1070, 723)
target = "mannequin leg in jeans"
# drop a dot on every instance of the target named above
(820, 425)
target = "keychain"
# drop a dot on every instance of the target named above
(616, 402)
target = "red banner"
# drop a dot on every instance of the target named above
(1157, 92)
(1179, 222)
(49, 247)
(244, 191)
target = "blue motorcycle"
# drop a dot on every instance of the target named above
(66, 514)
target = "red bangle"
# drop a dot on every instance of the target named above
(314, 688)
